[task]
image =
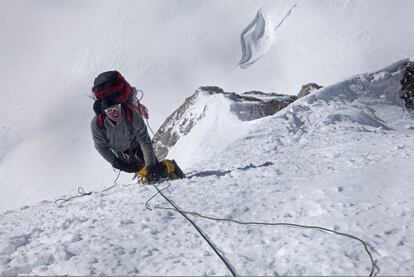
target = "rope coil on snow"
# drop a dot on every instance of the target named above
(59, 202)
(184, 213)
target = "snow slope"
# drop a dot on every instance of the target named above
(51, 51)
(201, 143)
(336, 158)
(211, 119)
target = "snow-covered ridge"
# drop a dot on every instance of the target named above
(369, 102)
(209, 110)
(359, 101)
(338, 158)
(297, 166)
(321, 41)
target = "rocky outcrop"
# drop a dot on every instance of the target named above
(174, 127)
(307, 89)
(246, 106)
(407, 86)
(255, 104)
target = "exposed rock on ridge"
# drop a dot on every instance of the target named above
(407, 86)
(308, 88)
(246, 106)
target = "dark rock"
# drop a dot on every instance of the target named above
(407, 86)
(307, 89)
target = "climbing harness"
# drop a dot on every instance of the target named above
(228, 265)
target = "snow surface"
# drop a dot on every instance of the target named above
(336, 158)
(50, 51)
(203, 141)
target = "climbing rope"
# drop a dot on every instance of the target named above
(142, 94)
(59, 202)
(230, 267)
(149, 127)
(146, 119)
(197, 228)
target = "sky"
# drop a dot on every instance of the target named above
(50, 52)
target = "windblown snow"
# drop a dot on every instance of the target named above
(50, 52)
(338, 158)
(258, 37)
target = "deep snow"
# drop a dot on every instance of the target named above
(337, 158)
(50, 51)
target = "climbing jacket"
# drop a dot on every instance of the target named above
(115, 141)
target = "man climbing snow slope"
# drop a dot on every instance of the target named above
(119, 132)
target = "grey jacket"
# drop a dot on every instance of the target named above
(115, 140)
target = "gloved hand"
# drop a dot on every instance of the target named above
(130, 168)
(153, 173)
(166, 169)
(149, 174)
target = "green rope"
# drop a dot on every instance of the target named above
(59, 202)
(365, 245)
(176, 209)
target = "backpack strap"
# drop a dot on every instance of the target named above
(128, 111)
(141, 109)
(100, 121)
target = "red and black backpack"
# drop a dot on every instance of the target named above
(113, 84)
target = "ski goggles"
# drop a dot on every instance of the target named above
(113, 109)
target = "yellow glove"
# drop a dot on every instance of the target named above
(142, 175)
(149, 174)
(165, 169)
